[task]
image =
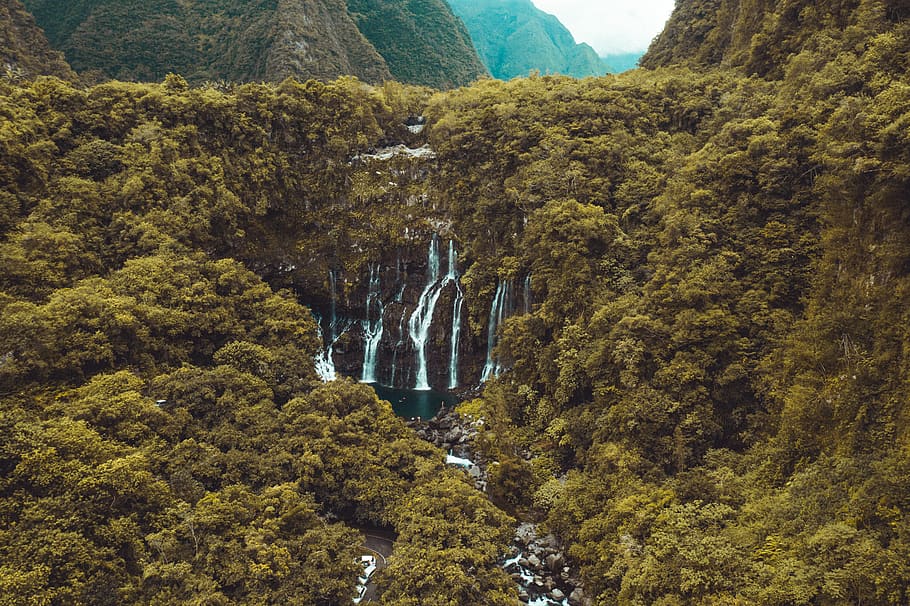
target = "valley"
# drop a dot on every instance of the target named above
(669, 307)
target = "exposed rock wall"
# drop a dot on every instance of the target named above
(403, 277)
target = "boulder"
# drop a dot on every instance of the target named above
(555, 562)
(526, 533)
(577, 597)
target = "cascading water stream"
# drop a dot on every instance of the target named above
(420, 321)
(527, 294)
(398, 346)
(325, 364)
(456, 315)
(498, 312)
(372, 330)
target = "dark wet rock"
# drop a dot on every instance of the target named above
(577, 597)
(555, 562)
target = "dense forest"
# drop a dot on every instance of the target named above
(706, 401)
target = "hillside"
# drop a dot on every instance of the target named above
(24, 50)
(761, 36)
(620, 62)
(515, 38)
(421, 40)
(675, 301)
(262, 40)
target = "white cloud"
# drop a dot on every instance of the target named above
(611, 26)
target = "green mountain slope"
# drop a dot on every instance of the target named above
(421, 40)
(760, 36)
(514, 38)
(216, 39)
(254, 40)
(24, 50)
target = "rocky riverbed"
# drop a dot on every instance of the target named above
(541, 570)
(537, 564)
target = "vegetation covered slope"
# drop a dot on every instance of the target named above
(716, 365)
(421, 40)
(24, 51)
(515, 38)
(760, 36)
(165, 439)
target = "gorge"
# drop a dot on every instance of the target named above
(671, 304)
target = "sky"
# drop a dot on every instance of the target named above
(611, 26)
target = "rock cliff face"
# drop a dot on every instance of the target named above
(24, 50)
(417, 292)
(318, 39)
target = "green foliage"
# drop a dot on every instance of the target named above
(166, 439)
(705, 400)
(448, 546)
(422, 41)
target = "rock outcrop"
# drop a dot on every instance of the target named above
(542, 571)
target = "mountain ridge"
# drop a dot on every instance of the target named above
(259, 40)
(514, 38)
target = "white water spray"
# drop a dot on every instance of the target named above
(372, 330)
(422, 318)
(456, 315)
(499, 310)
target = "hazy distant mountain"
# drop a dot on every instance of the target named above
(24, 50)
(514, 38)
(621, 62)
(244, 40)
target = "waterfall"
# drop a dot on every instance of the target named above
(527, 294)
(333, 317)
(398, 345)
(498, 312)
(420, 321)
(325, 366)
(456, 315)
(325, 363)
(372, 330)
